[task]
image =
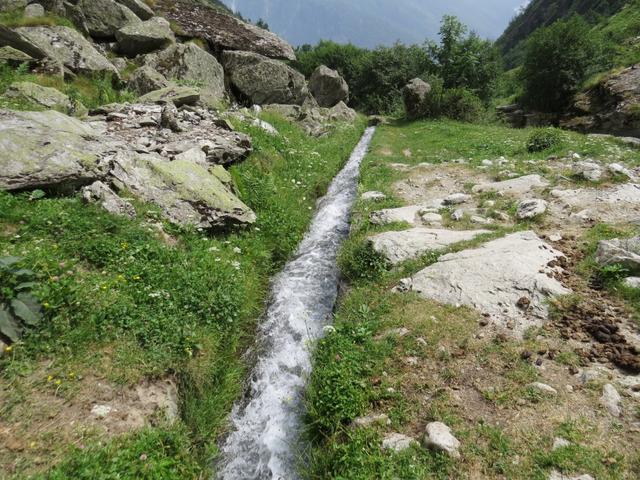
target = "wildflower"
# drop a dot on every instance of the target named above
(124, 245)
(136, 277)
(32, 444)
(58, 382)
(8, 349)
(72, 375)
(104, 287)
(237, 250)
(120, 277)
(49, 378)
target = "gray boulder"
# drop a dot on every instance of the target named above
(514, 186)
(625, 252)
(438, 436)
(14, 57)
(528, 209)
(105, 17)
(63, 45)
(189, 63)
(342, 113)
(328, 87)
(141, 9)
(145, 80)
(187, 193)
(261, 80)
(34, 10)
(99, 192)
(145, 37)
(48, 149)
(415, 97)
(223, 31)
(177, 95)
(11, 5)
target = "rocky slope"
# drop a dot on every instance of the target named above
(185, 60)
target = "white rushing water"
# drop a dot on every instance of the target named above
(265, 443)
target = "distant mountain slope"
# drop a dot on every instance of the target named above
(369, 23)
(541, 13)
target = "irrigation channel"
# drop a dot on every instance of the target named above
(266, 425)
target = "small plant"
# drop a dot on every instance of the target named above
(19, 308)
(359, 261)
(612, 273)
(543, 139)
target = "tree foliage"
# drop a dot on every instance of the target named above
(376, 77)
(557, 60)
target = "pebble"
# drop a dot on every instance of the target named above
(458, 215)
(611, 400)
(397, 442)
(375, 196)
(560, 442)
(543, 388)
(457, 199)
(369, 420)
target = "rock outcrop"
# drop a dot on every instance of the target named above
(63, 45)
(609, 107)
(328, 87)
(48, 150)
(261, 80)
(223, 31)
(44, 97)
(624, 252)
(496, 278)
(139, 7)
(145, 80)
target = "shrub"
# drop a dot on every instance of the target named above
(543, 139)
(461, 104)
(557, 60)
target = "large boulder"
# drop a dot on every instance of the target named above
(187, 62)
(415, 95)
(139, 7)
(221, 30)
(187, 193)
(105, 17)
(45, 97)
(48, 149)
(509, 280)
(145, 37)
(342, 113)
(261, 80)
(145, 80)
(328, 87)
(63, 45)
(14, 57)
(624, 252)
(609, 107)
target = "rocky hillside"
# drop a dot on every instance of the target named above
(540, 13)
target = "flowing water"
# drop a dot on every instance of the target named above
(265, 443)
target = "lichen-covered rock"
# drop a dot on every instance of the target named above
(221, 30)
(99, 192)
(190, 63)
(34, 10)
(186, 192)
(415, 97)
(342, 113)
(48, 149)
(145, 80)
(105, 17)
(145, 37)
(261, 80)
(40, 96)
(178, 95)
(62, 44)
(328, 87)
(625, 252)
(139, 7)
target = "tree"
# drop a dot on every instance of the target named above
(262, 24)
(557, 60)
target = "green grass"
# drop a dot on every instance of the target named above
(16, 18)
(124, 305)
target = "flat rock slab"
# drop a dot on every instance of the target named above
(411, 214)
(514, 186)
(619, 203)
(409, 244)
(508, 280)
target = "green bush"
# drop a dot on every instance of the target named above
(461, 104)
(543, 139)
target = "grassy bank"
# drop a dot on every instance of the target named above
(134, 301)
(444, 365)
